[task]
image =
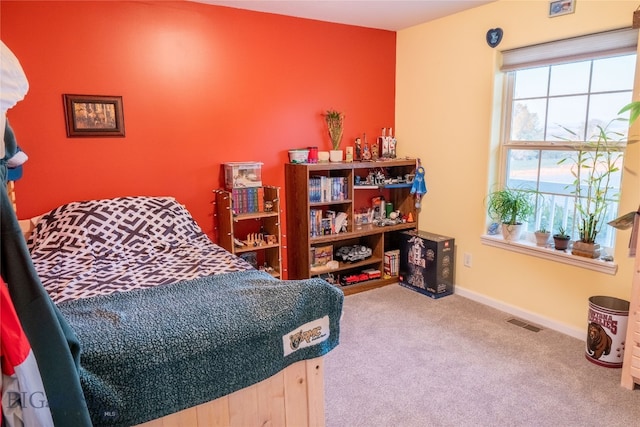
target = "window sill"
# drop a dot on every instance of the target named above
(530, 248)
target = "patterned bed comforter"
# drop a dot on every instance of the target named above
(97, 247)
(183, 333)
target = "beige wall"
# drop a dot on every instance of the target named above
(446, 78)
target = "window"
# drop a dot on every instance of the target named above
(551, 107)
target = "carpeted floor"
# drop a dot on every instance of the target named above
(408, 360)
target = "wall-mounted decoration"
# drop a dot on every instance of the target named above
(494, 37)
(93, 115)
(561, 7)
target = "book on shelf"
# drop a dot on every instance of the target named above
(247, 200)
(327, 189)
(315, 215)
(260, 199)
(322, 223)
(392, 262)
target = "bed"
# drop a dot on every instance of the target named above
(175, 330)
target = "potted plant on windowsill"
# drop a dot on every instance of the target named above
(593, 167)
(511, 207)
(542, 236)
(561, 239)
(335, 123)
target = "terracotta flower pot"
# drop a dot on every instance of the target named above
(542, 238)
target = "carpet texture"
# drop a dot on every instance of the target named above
(407, 360)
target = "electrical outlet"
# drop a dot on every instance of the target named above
(467, 260)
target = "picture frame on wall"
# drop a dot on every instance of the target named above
(94, 115)
(561, 7)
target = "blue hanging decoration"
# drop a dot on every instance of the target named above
(419, 187)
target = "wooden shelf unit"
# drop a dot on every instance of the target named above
(232, 226)
(378, 238)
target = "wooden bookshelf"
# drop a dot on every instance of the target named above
(300, 241)
(238, 225)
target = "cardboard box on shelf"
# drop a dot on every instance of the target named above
(321, 255)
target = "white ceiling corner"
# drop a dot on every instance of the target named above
(381, 14)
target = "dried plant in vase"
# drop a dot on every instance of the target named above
(335, 122)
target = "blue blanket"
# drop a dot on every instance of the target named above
(148, 353)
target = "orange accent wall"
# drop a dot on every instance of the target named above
(201, 85)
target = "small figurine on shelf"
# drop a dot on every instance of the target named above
(255, 239)
(358, 149)
(366, 153)
(384, 144)
(266, 268)
(374, 151)
(271, 239)
(393, 144)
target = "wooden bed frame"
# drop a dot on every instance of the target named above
(294, 397)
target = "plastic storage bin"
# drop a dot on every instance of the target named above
(242, 174)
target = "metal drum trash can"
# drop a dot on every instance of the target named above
(607, 330)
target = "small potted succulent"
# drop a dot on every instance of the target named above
(542, 236)
(561, 239)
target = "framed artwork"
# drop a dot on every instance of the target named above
(93, 115)
(561, 7)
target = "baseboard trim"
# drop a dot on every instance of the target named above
(523, 314)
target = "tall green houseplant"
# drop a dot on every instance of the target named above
(593, 168)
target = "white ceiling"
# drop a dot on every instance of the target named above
(382, 14)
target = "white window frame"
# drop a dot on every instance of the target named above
(611, 43)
